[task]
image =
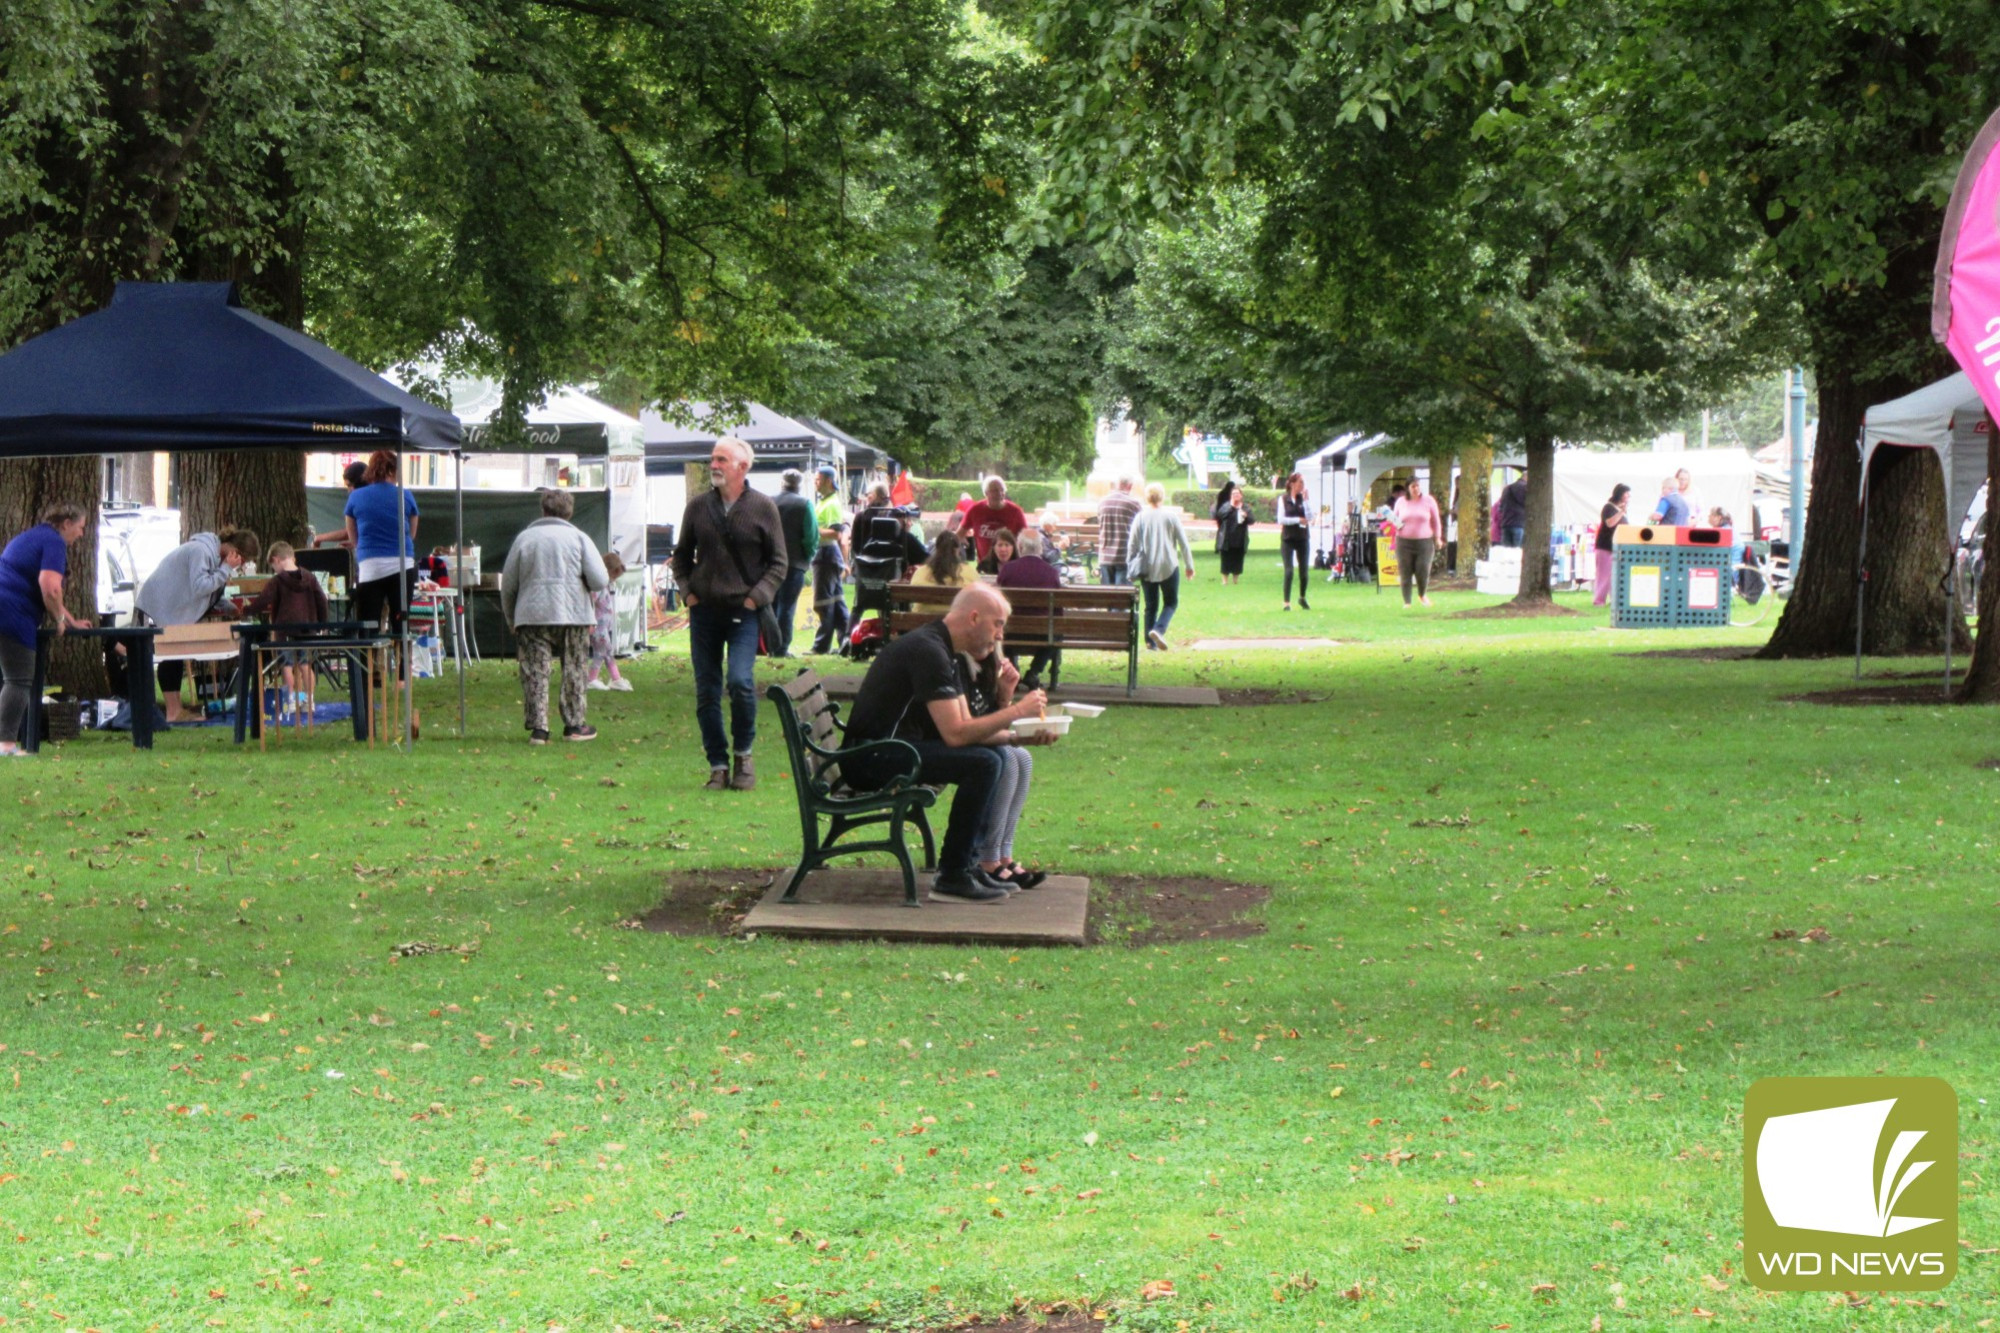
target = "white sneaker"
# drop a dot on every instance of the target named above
(595, 685)
(622, 683)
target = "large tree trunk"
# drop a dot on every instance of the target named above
(263, 490)
(27, 485)
(1475, 504)
(1541, 456)
(1982, 674)
(1905, 592)
(1907, 543)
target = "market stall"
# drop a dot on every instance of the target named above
(573, 442)
(184, 367)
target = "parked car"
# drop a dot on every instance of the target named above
(131, 542)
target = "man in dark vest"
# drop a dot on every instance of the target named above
(801, 528)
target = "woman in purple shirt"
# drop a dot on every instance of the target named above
(31, 583)
(1030, 570)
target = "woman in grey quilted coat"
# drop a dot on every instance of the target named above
(545, 587)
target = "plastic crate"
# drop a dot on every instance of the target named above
(1671, 587)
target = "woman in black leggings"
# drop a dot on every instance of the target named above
(1295, 516)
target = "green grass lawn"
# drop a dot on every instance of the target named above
(1485, 1068)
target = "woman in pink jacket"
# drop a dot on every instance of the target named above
(1418, 527)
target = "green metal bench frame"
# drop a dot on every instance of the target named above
(813, 730)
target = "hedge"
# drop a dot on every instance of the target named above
(937, 495)
(1262, 501)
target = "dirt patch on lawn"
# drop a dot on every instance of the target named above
(1866, 696)
(1066, 1323)
(1735, 654)
(1514, 611)
(1135, 910)
(704, 902)
(1248, 698)
(1124, 909)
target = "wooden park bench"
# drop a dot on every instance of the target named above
(1079, 540)
(1098, 619)
(813, 742)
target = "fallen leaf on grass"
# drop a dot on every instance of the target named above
(1159, 1289)
(1353, 1293)
(1089, 1194)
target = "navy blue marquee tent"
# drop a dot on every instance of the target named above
(182, 366)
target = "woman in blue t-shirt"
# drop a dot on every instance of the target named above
(385, 549)
(383, 535)
(31, 583)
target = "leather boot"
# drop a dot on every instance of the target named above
(744, 776)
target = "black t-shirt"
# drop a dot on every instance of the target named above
(905, 678)
(1607, 526)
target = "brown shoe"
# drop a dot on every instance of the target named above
(745, 776)
(718, 780)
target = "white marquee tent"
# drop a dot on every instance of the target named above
(1343, 470)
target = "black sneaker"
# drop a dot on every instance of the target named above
(538, 738)
(964, 888)
(586, 732)
(1028, 879)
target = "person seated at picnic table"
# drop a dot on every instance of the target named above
(914, 692)
(1003, 549)
(186, 588)
(946, 566)
(292, 597)
(1029, 570)
(994, 515)
(32, 569)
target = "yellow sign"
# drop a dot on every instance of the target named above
(1388, 571)
(1643, 587)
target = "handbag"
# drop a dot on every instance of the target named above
(770, 638)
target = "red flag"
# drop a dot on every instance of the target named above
(1965, 306)
(902, 493)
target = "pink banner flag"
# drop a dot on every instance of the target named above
(1965, 303)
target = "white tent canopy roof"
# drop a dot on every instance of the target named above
(1948, 419)
(1584, 477)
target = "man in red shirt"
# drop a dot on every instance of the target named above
(992, 514)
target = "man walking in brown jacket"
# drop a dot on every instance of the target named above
(730, 560)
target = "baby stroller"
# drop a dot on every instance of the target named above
(878, 562)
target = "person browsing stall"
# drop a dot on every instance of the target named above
(913, 692)
(292, 597)
(32, 569)
(186, 586)
(552, 570)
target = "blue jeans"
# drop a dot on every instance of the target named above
(1515, 537)
(1166, 597)
(786, 606)
(1112, 576)
(712, 631)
